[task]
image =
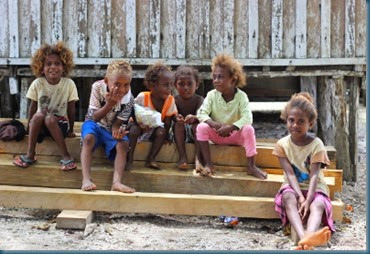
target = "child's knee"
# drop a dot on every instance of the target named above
(247, 130)
(289, 199)
(317, 205)
(202, 128)
(37, 117)
(160, 132)
(51, 121)
(88, 140)
(135, 132)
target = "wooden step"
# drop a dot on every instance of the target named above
(46, 173)
(221, 154)
(139, 202)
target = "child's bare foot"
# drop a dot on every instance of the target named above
(257, 172)
(122, 188)
(317, 238)
(182, 165)
(152, 164)
(206, 170)
(302, 247)
(87, 185)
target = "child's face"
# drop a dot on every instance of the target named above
(298, 124)
(118, 83)
(222, 80)
(186, 86)
(163, 87)
(53, 69)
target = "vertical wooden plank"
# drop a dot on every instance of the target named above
(167, 29)
(118, 28)
(313, 31)
(309, 85)
(70, 25)
(143, 42)
(264, 37)
(325, 28)
(52, 19)
(349, 43)
(13, 28)
(30, 27)
(301, 29)
(277, 29)
(197, 29)
(155, 27)
(25, 82)
(337, 28)
(130, 28)
(360, 29)
(253, 31)
(241, 29)
(289, 28)
(82, 28)
(221, 26)
(180, 28)
(99, 28)
(4, 28)
(354, 85)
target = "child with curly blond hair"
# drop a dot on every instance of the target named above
(52, 103)
(225, 116)
(159, 80)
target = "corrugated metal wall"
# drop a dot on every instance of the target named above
(186, 29)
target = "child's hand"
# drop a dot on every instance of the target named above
(304, 210)
(190, 119)
(214, 125)
(225, 130)
(114, 96)
(179, 118)
(119, 133)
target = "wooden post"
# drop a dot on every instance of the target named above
(354, 84)
(308, 84)
(23, 108)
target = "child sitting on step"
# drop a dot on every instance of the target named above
(187, 102)
(225, 116)
(159, 80)
(52, 103)
(110, 108)
(304, 195)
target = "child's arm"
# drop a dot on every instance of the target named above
(292, 179)
(118, 132)
(31, 111)
(314, 176)
(71, 111)
(112, 99)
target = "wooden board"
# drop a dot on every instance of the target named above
(110, 201)
(74, 219)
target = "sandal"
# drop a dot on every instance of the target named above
(67, 165)
(23, 162)
(183, 166)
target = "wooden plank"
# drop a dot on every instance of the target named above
(168, 29)
(360, 29)
(74, 219)
(23, 107)
(264, 28)
(99, 28)
(13, 20)
(349, 44)
(143, 39)
(70, 25)
(277, 29)
(337, 28)
(253, 28)
(309, 84)
(110, 201)
(325, 17)
(354, 88)
(301, 29)
(30, 27)
(180, 28)
(51, 21)
(155, 27)
(130, 28)
(241, 29)
(4, 28)
(313, 31)
(167, 180)
(289, 28)
(82, 28)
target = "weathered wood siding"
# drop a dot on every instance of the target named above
(186, 29)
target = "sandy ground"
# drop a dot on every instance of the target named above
(20, 228)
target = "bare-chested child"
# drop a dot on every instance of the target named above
(187, 102)
(304, 195)
(111, 104)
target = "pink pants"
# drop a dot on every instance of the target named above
(244, 137)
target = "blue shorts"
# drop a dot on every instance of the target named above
(103, 138)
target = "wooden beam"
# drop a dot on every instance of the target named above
(74, 219)
(138, 202)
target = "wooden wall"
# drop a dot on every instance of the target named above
(186, 29)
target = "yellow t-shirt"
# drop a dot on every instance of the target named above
(53, 97)
(301, 157)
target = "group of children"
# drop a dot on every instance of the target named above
(223, 117)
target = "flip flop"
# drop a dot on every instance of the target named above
(23, 162)
(67, 165)
(183, 166)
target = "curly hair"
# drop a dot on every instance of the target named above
(302, 101)
(187, 70)
(119, 66)
(153, 72)
(65, 54)
(232, 66)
